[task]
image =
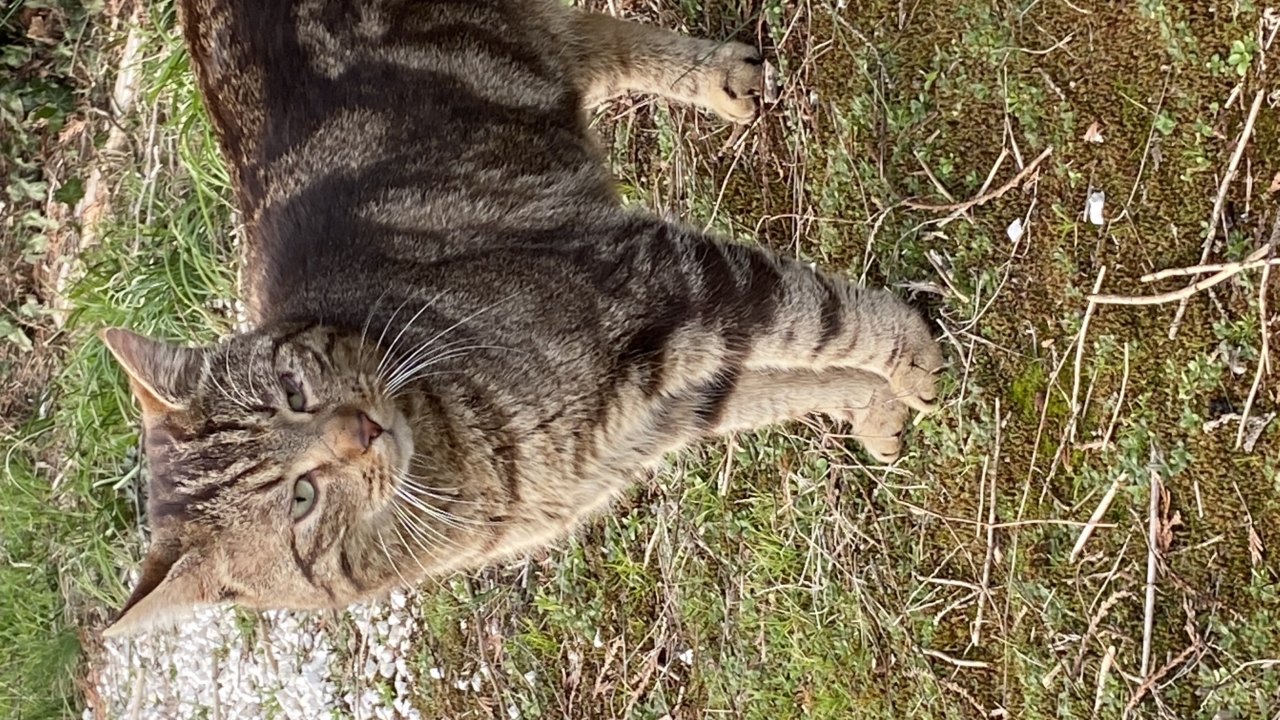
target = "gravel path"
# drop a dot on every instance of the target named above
(292, 665)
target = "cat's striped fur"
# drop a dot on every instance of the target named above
(463, 345)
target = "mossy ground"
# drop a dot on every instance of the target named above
(776, 574)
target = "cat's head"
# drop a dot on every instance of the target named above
(274, 458)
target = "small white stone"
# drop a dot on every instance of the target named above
(1093, 207)
(1015, 230)
(513, 712)
(686, 657)
(436, 673)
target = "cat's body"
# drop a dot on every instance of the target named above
(463, 345)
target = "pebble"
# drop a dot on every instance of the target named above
(289, 663)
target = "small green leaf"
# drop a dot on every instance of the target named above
(10, 332)
(20, 189)
(70, 192)
(35, 247)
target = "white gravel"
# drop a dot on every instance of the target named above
(291, 667)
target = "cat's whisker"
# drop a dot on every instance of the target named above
(424, 495)
(452, 327)
(391, 561)
(430, 540)
(364, 331)
(444, 516)
(390, 351)
(239, 403)
(412, 358)
(441, 494)
(404, 376)
(387, 326)
(416, 483)
(245, 398)
(420, 531)
(426, 508)
(403, 520)
(431, 511)
(418, 352)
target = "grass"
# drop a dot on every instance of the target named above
(69, 493)
(775, 574)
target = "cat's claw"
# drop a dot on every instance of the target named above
(740, 79)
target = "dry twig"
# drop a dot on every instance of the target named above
(1103, 671)
(1150, 682)
(1264, 355)
(1115, 413)
(958, 662)
(1211, 232)
(1185, 292)
(1084, 330)
(985, 197)
(1202, 269)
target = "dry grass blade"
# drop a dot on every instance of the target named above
(985, 197)
(1103, 671)
(958, 662)
(1098, 512)
(1149, 607)
(985, 595)
(1084, 330)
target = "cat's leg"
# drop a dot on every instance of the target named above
(612, 56)
(822, 321)
(864, 400)
(715, 311)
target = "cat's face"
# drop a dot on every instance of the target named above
(274, 458)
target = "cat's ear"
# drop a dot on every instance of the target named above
(161, 375)
(172, 587)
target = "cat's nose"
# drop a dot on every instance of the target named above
(350, 432)
(366, 429)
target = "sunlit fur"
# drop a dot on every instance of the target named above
(490, 348)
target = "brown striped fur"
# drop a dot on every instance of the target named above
(488, 346)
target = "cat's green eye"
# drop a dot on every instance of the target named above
(293, 393)
(304, 496)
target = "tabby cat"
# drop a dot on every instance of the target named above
(463, 344)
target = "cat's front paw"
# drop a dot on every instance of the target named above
(879, 424)
(737, 80)
(913, 365)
